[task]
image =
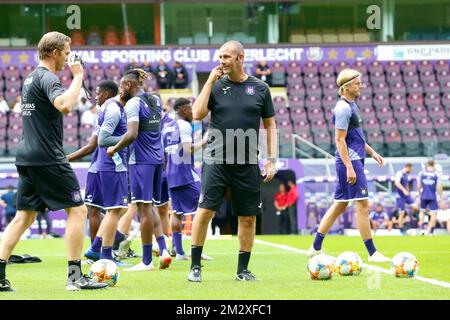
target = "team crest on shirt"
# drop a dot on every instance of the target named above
(363, 191)
(76, 196)
(250, 90)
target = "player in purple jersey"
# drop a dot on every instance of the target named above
(430, 194)
(350, 155)
(146, 161)
(105, 90)
(182, 180)
(403, 196)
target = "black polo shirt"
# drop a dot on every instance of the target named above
(42, 141)
(236, 112)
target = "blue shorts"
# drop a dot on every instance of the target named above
(402, 201)
(163, 193)
(345, 191)
(185, 198)
(145, 180)
(430, 204)
(107, 190)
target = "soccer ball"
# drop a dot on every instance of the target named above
(404, 265)
(320, 267)
(106, 271)
(349, 264)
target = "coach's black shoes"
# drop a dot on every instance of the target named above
(195, 275)
(246, 275)
(5, 286)
(84, 283)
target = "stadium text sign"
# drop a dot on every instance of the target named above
(414, 52)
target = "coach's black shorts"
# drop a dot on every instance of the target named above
(244, 181)
(40, 187)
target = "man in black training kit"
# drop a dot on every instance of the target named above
(46, 180)
(237, 103)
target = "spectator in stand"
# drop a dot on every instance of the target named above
(181, 76)
(4, 108)
(263, 72)
(292, 206)
(8, 202)
(163, 75)
(403, 224)
(17, 108)
(281, 204)
(90, 116)
(84, 104)
(133, 65)
(380, 219)
(443, 217)
(147, 67)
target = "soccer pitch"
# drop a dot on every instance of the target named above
(278, 261)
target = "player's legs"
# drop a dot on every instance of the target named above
(176, 223)
(401, 218)
(95, 220)
(74, 234)
(108, 229)
(421, 218)
(432, 223)
(125, 221)
(375, 225)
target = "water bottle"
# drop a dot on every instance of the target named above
(117, 159)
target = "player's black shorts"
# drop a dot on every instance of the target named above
(244, 181)
(40, 187)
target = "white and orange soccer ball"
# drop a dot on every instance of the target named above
(349, 264)
(106, 271)
(321, 267)
(404, 265)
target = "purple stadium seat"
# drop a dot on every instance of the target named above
(398, 100)
(329, 102)
(279, 102)
(313, 102)
(319, 125)
(70, 143)
(13, 144)
(330, 89)
(66, 71)
(13, 83)
(385, 113)
(11, 94)
(15, 118)
(3, 123)
(392, 66)
(301, 126)
(388, 124)
(2, 73)
(405, 124)
(150, 83)
(411, 142)
(441, 123)
(367, 112)
(364, 101)
(96, 70)
(376, 140)
(444, 140)
(423, 123)
(398, 88)
(282, 114)
(26, 70)
(394, 77)
(294, 78)
(381, 101)
(425, 65)
(432, 87)
(414, 88)
(446, 100)
(367, 89)
(375, 66)
(311, 78)
(326, 67)
(315, 113)
(401, 112)
(322, 140)
(408, 66)
(428, 136)
(443, 77)
(298, 114)
(418, 112)
(96, 80)
(377, 77)
(360, 66)
(381, 88)
(314, 89)
(328, 114)
(71, 118)
(327, 78)
(427, 76)
(436, 112)
(86, 131)
(278, 75)
(441, 65)
(113, 70)
(297, 91)
(341, 65)
(410, 76)
(446, 87)
(432, 99)
(283, 124)
(12, 71)
(65, 81)
(294, 68)
(296, 102)
(393, 141)
(310, 68)
(414, 100)
(14, 131)
(70, 129)
(372, 124)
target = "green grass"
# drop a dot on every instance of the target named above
(283, 273)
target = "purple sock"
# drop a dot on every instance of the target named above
(96, 244)
(106, 253)
(161, 244)
(317, 245)
(370, 246)
(177, 240)
(147, 254)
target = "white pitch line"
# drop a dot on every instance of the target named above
(371, 267)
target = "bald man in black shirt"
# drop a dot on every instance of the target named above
(46, 180)
(237, 103)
